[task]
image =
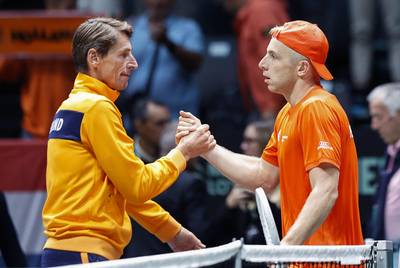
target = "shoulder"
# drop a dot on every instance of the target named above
(321, 101)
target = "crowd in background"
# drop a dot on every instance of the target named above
(202, 56)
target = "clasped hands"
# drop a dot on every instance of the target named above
(193, 138)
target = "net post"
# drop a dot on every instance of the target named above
(384, 254)
(238, 257)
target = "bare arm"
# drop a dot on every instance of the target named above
(324, 182)
(248, 171)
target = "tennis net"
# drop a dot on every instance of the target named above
(375, 255)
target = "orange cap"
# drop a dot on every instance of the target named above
(308, 40)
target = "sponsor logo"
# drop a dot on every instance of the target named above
(324, 145)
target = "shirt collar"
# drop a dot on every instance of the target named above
(393, 149)
(90, 84)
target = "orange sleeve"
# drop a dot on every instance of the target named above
(319, 130)
(270, 153)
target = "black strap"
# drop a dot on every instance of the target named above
(153, 65)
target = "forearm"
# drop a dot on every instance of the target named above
(314, 212)
(241, 169)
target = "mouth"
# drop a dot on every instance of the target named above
(266, 76)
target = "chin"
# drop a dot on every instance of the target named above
(271, 88)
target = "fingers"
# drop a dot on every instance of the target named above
(199, 245)
(179, 135)
(188, 117)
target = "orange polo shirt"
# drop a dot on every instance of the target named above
(314, 131)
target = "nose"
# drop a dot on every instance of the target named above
(132, 64)
(374, 124)
(262, 62)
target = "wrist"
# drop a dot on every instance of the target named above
(183, 151)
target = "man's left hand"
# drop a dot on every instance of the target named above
(185, 240)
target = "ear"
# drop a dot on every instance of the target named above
(303, 67)
(92, 58)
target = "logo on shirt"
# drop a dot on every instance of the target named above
(282, 138)
(57, 124)
(66, 125)
(324, 145)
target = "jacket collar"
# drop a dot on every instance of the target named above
(89, 84)
(393, 149)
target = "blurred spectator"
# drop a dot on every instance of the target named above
(10, 248)
(254, 19)
(169, 50)
(102, 7)
(362, 15)
(150, 119)
(46, 82)
(384, 108)
(255, 137)
(184, 199)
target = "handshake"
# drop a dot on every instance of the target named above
(193, 138)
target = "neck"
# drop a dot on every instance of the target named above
(300, 89)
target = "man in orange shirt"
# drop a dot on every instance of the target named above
(311, 151)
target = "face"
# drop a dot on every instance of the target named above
(151, 128)
(251, 142)
(115, 68)
(278, 68)
(386, 125)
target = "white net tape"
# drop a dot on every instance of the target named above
(193, 258)
(345, 255)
